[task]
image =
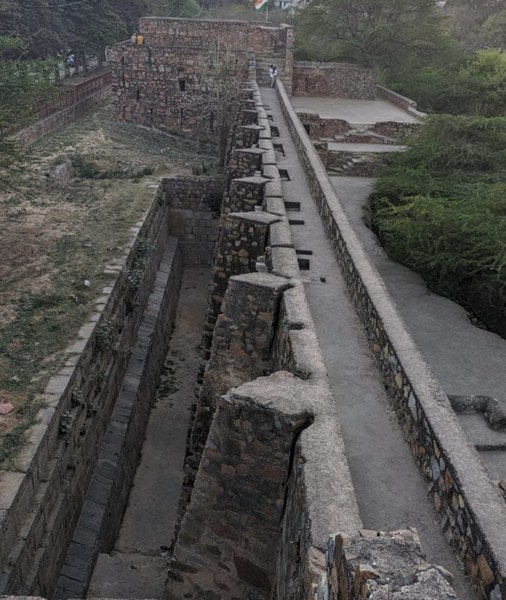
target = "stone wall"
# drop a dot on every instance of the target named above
(318, 127)
(41, 498)
(334, 80)
(471, 510)
(173, 81)
(71, 104)
(272, 481)
(407, 104)
(194, 205)
(264, 362)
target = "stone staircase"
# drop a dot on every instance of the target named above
(356, 165)
(363, 135)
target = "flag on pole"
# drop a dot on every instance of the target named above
(260, 4)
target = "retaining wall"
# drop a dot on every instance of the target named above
(42, 496)
(193, 218)
(334, 80)
(472, 513)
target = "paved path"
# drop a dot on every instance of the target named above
(356, 112)
(391, 492)
(137, 568)
(343, 146)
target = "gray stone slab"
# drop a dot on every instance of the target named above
(354, 111)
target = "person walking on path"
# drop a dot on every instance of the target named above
(140, 39)
(133, 39)
(273, 73)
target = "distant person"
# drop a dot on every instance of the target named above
(140, 39)
(273, 73)
(133, 39)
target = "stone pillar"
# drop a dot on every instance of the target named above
(242, 239)
(378, 564)
(249, 116)
(244, 162)
(241, 343)
(247, 136)
(244, 194)
(228, 539)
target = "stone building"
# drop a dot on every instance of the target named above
(175, 81)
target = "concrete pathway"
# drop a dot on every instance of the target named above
(137, 568)
(344, 147)
(356, 112)
(391, 492)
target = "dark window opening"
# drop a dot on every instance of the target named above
(182, 85)
(180, 70)
(279, 148)
(308, 129)
(283, 174)
(296, 222)
(307, 252)
(274, 131)
(211, 123)
(137, 95)
(304, 264)
(292, 205)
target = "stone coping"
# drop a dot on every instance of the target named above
(331, 502)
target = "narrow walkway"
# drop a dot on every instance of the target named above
(391, 492)
(137, 568)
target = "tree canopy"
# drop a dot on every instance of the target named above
(384, 33)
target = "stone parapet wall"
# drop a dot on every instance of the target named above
(334, 80)
(407, 104)
(42, 496)
(385, 132)
(471, 511)
(378, 564)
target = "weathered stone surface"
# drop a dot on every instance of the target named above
(336, 80)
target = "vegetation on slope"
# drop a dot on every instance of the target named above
(440, 209)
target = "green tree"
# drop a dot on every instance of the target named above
(24, 84)
(384, 33)
(468, 17)
(174, 8)
(440, 209)
(493, 30)
(474, 86)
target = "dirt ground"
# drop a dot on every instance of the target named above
(62, 219)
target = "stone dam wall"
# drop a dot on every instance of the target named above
(471, 511)
(270, 481)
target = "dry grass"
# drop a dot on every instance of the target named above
(57, 232)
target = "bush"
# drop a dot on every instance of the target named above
(440, 209)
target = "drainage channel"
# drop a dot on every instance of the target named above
(390, 491)
(137, 566)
